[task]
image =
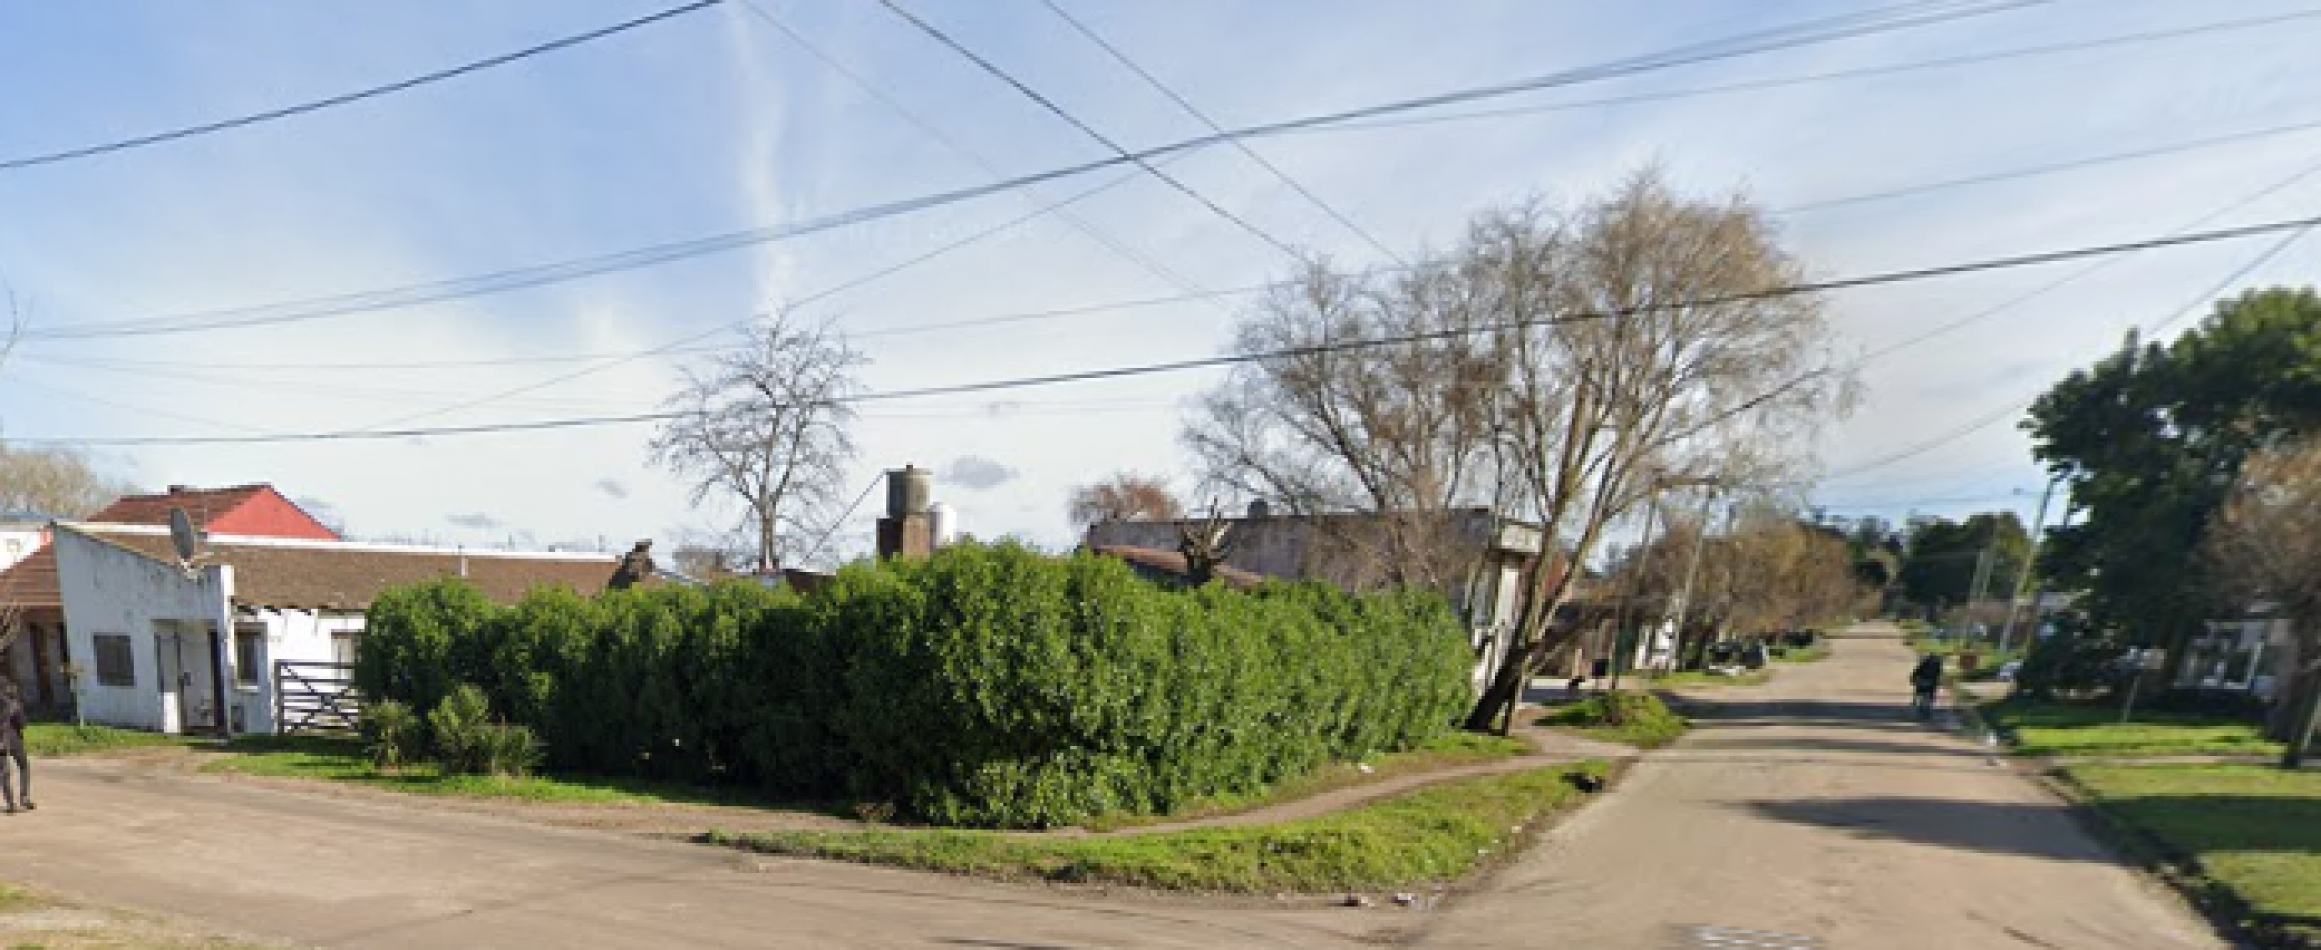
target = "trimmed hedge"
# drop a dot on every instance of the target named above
(987, 686)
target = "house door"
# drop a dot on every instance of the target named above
(168, 660)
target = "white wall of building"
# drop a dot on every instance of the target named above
(17, 542)
(304, 636)
(111, 591)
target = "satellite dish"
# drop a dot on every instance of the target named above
(183, 536)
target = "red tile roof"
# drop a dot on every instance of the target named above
(31, 582)
(346, 576)
(241, 509)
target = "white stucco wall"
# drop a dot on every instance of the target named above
(290, 635)
(17, 542)
(107, 590)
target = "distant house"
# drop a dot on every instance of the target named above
(1485, 556)
(160, 638)
(1168, 567)
(2251, 653)
(28, 571)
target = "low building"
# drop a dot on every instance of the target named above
(40, 656)
(1482, 557)
(268, 617)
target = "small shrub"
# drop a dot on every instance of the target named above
(390, 733)
(507, 749)
(1638, 719)
(461, 725)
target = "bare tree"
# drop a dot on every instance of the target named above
(2267, 542)
(1126, 496)
(766, 425)
(1403, 433)
(1205, 546)
(1651, 348)
(57, 481)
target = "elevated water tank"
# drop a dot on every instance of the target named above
(907, 490)
(944, 524)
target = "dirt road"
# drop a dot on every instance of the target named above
(1810, 807)
(339, 872)
(1812, 812)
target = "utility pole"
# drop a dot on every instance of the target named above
(1635, 580)
(1984, 564)
(2030, 561)
(1692, 571)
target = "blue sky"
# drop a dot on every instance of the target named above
(718, 121)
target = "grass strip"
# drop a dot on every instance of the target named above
(1642, 719)
(1450, 750)
(63, 738)
(1437, 834)
(2065, 729)
(2244, 840)
(342, 760)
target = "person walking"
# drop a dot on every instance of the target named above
(12, 748)
(1925, 678)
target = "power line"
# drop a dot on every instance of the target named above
(2082, 273)
(1062, 113)
(933, 131)
(2297, 226)
(517, 278)
(1981, 422)
(808, 300)
(401, 85)
(1757, 85)
(1241, 146)
(835, 525)
(2051, 168)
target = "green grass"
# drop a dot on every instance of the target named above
(53, 739)
(330, 759)
(2248, 834)
(342, 760)
(2058, 729)
(1645, 721)
(15, 899)
(1437, 834)
(1450, 750)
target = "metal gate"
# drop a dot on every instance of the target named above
(314, 696)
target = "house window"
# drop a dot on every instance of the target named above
(114, 664)
(343, 645)
(248, 644)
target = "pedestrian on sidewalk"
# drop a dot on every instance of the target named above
(12, 748)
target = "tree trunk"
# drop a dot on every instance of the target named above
(2307, 707)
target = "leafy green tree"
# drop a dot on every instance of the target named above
(2151, 440)
(1946, 557)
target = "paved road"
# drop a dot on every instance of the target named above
(1810, 807)
(1813, 812)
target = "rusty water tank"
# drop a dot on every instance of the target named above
(907, 491)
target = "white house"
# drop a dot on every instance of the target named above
(158, 637)
(2249, 653)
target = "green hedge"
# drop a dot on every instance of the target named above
(988, 686)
